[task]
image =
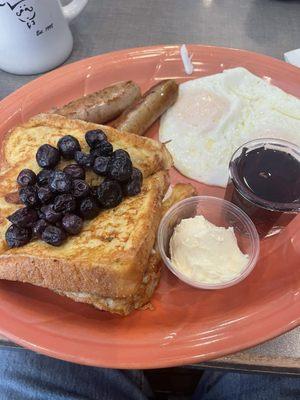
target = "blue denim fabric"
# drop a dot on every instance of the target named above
(237, 386)
(25, 375)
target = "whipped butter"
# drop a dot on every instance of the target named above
(206, 253)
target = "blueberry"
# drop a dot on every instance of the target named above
(119, 167)
(53, 235)
(89, 208)
(60, 182)
(64, 203)
(75, 171)
(80, 188)
(59, 224)
(40, 214)
(67, 145)
(26, 177)
(101, 165)
(72, 224)
(47, 156)
(43, 177)
(28, 196)
(16, 236)
(104, 148)
(84, 159)
(39, 227)
(109, 194)
(24, 217)
(93, 191)
(49, 214)
(121, 153)
(94, 137)
(134, 185)
(44, 194)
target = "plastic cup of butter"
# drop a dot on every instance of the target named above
(221, 213)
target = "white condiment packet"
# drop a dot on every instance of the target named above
(293, 57)
(186, 60)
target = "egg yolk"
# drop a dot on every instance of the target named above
(202, 109)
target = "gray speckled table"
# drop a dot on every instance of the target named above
(267, 26)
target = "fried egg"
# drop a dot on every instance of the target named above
(214, 115)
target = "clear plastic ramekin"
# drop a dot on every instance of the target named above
(269, 217)
(221, 213)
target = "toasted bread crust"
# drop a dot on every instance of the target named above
(125, 306)
(179, 192)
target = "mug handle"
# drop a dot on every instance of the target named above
(71, 10)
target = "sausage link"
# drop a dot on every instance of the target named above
(104, 105)
(141, 115)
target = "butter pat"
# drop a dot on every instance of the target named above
(206, 253)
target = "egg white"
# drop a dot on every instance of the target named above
(216, 114)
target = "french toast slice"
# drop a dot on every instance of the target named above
(111, 245)
(108, 258)
(21, 143)
(142, 297)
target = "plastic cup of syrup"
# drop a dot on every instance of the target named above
(264, 181)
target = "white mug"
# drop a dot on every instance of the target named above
(34, 34)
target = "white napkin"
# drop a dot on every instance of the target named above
(293, 57)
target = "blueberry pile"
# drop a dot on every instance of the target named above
(58, 201)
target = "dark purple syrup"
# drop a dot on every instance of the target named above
(265, 176)
(272, 175)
